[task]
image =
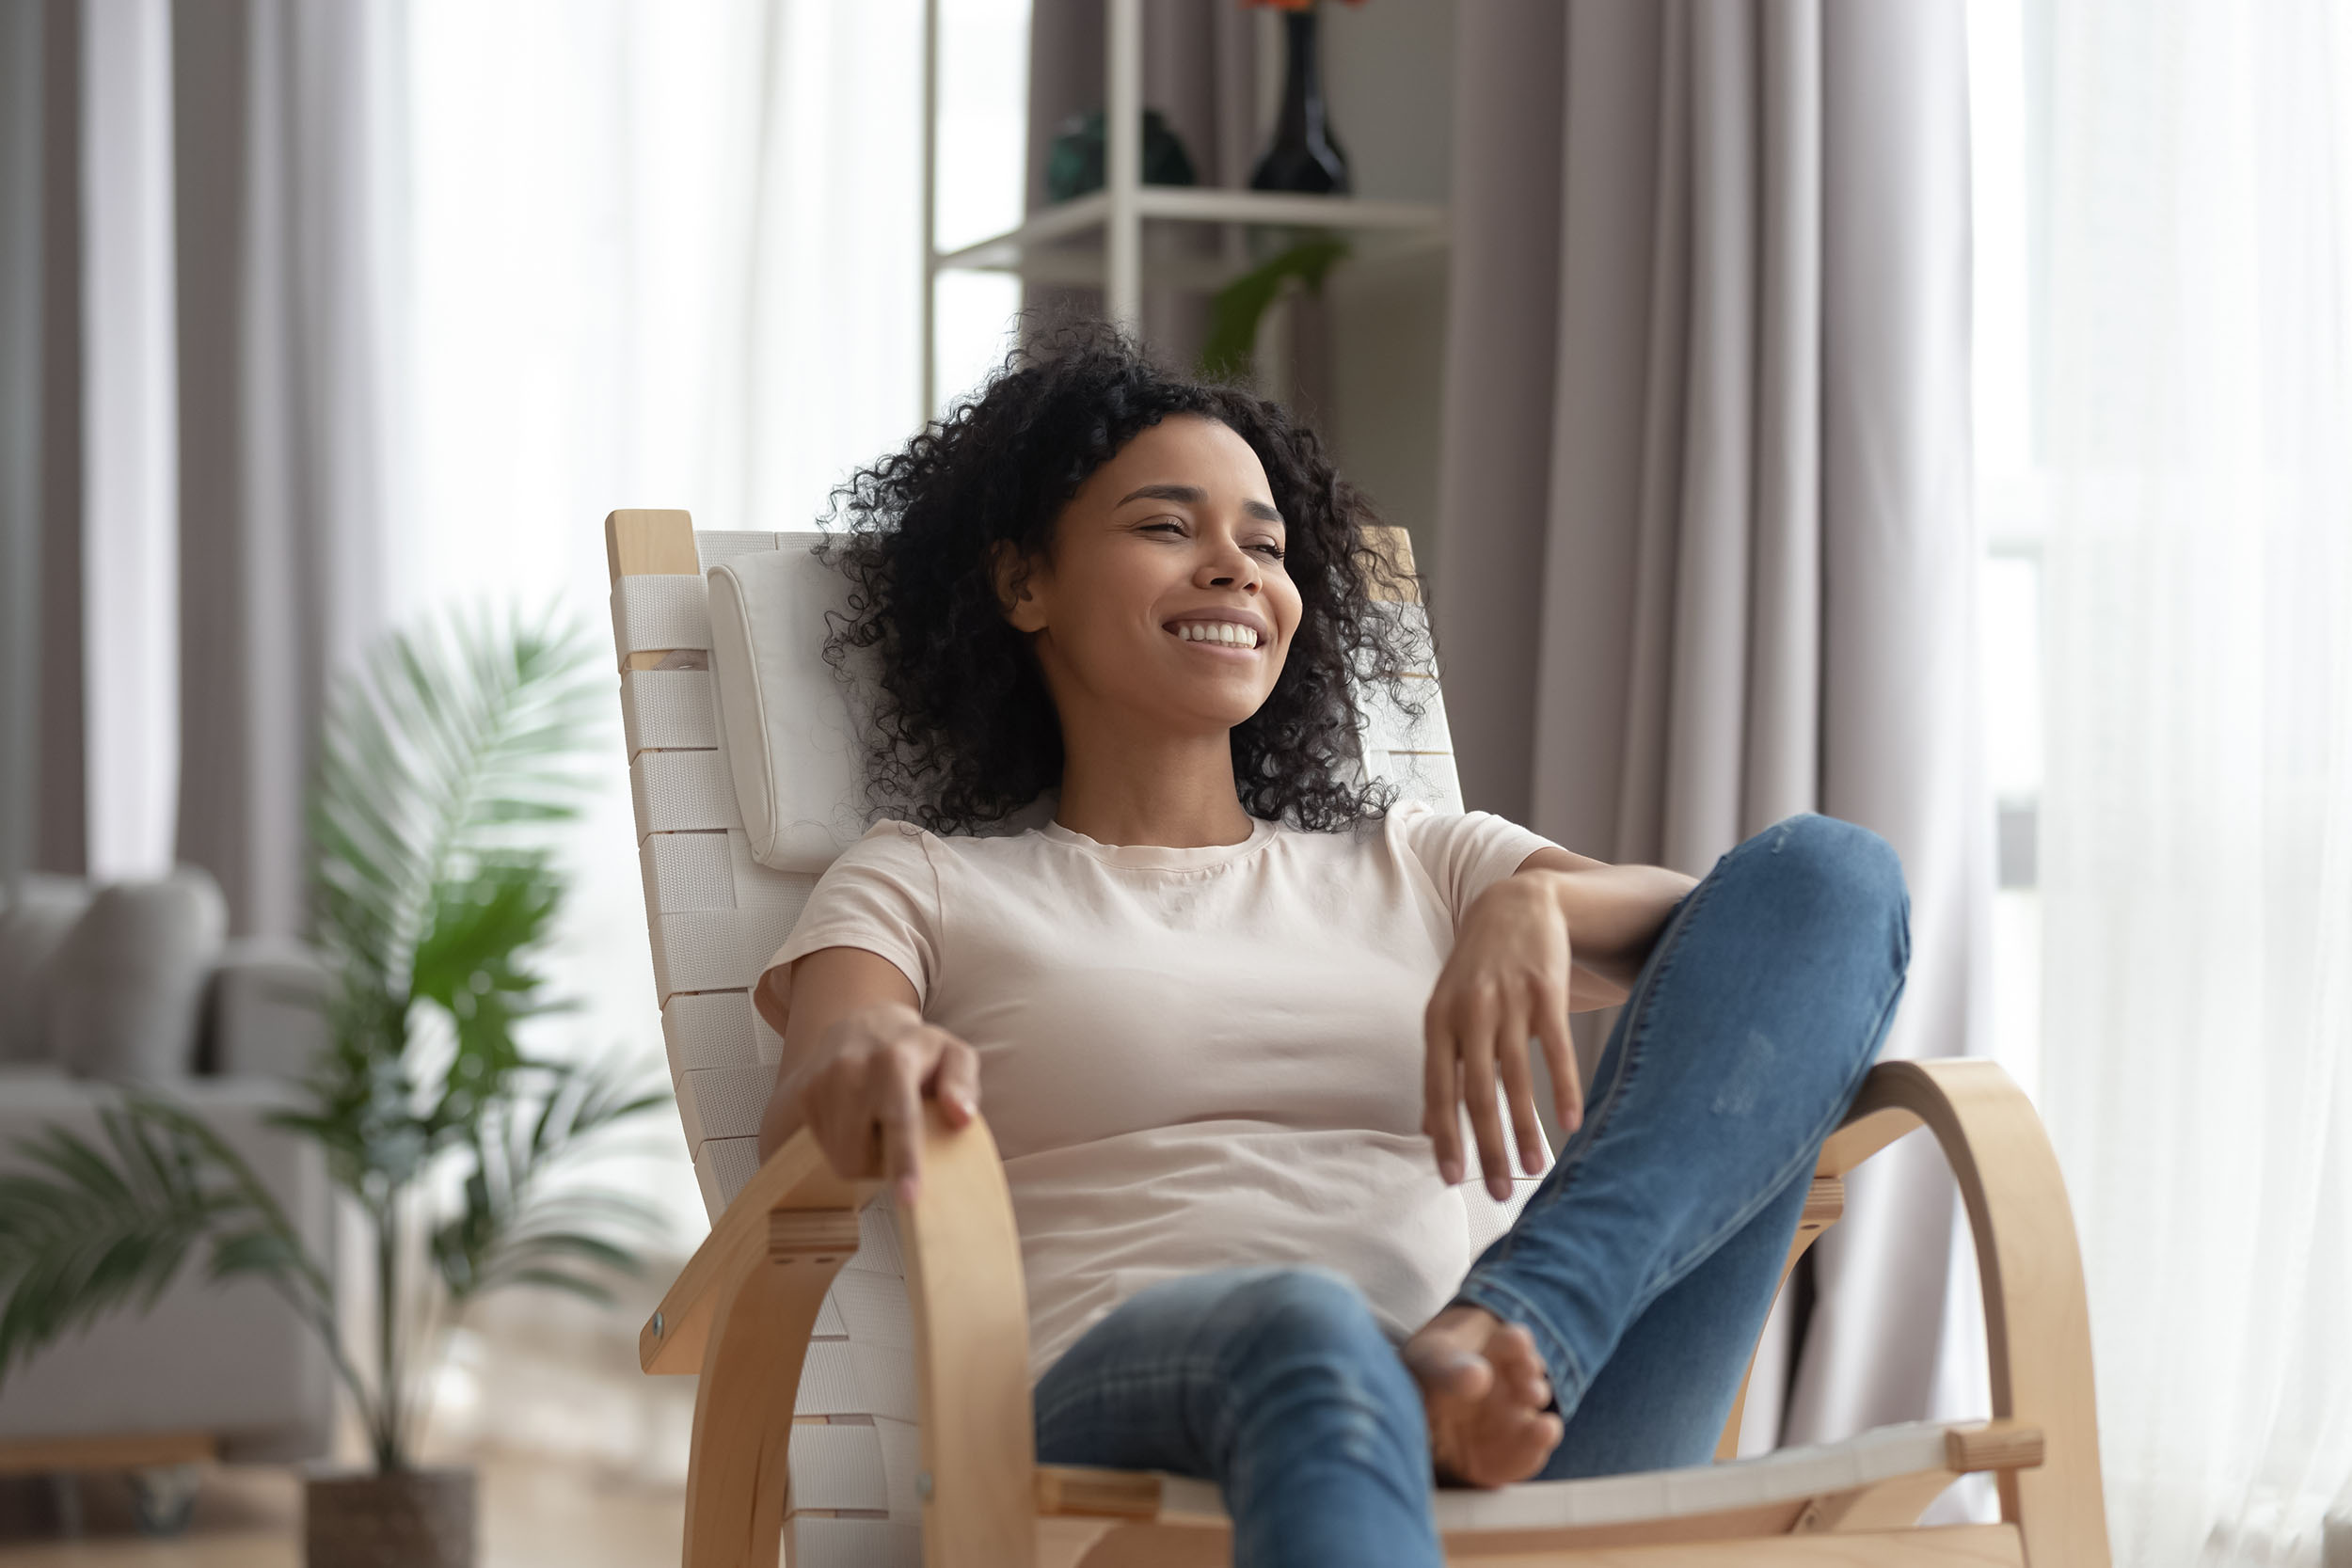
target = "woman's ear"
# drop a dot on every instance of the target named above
(1014, 595)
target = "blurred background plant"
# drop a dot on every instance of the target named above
(445, 763)
(1237, 310)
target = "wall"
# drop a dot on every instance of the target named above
(1389, 78)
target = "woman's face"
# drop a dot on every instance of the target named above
(1166, 598)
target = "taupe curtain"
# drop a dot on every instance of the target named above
(41, 782)
(1705, 556)
(286, 131)
(20, 437)
(273, 340)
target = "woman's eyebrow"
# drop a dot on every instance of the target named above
(1192, 494)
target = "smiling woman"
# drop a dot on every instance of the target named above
(1232, 1009)
(1175, 500)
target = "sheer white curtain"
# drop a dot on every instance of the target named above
(668, 256)
(130, 453)
(2195, 429)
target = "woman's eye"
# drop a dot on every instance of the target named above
(1273, 551)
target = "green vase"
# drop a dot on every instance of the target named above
(1074, 167)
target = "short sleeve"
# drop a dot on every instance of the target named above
(882, 894)
(1464, 852)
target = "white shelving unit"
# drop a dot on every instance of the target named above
(1045, 247)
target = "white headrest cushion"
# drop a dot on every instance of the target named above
(790, 728)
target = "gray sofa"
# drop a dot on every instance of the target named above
(134, 982)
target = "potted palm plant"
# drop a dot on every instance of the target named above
(444, 763)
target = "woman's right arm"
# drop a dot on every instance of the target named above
(858, 1062)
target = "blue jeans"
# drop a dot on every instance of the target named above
(1643, 1263)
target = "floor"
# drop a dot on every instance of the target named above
(535, 1512)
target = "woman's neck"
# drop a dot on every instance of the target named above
(1170, 792)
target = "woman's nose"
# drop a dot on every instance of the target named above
(1230, 566)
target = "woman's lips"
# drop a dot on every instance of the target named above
(1228, 650)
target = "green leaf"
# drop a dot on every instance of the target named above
(512, 1221)
(441, 765)
(85, 1230)
(262, 1252)
(1236, 309)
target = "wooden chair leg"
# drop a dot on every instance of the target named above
(970, 1314)
(739, 1469)
(2037, 1316)
(1824, 1204)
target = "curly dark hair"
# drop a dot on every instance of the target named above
(965, 732)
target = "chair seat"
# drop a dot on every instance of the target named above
(1790, 1476)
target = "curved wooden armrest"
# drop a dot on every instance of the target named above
(741, 1310)
(795, 1179)
(2036, 1315)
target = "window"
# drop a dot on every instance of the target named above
(2012, 504)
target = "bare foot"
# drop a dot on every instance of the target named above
(1486, 1389)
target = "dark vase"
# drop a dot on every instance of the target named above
(1304, 156)
(1073, 165)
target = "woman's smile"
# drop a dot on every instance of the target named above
(1227, 633)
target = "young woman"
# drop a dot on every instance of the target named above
(1227, 1012)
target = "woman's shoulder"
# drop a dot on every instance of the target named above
(890, 835)
(898, 839)
(1439, 838)
(1375, 835)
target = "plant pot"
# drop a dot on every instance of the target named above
(393, 1519)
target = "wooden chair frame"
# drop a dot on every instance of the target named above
(741, 1312)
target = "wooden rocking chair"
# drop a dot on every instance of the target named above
(864, 1392)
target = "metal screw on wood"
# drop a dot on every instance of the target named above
(657, 1325)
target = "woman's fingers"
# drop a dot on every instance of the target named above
(1519, 1086)
(865, 1108)
(1440, 1083)
(956, 1080)
(833, 1110)
(897, 1105)
(1567, 1087)
(1478, 1087)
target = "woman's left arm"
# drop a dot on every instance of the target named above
(1614, 913)
(1563, 933)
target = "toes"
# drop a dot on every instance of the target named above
(1518, 1364)
(1504, 1454)
(1529, 1445)
(1451, 1370)
(1513, 1341)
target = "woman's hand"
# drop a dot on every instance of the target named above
(1508, 979)
(861, 1095)
(1515, 973)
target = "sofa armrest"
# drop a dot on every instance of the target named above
(230, 1359)
(267, 1013)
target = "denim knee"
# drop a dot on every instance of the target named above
(1304, 1310)
(1308, 1359)
(1826, 868)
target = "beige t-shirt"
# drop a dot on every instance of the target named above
(1191, 1059)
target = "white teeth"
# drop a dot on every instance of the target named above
(1226, 632)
